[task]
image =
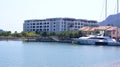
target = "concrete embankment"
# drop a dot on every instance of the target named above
(47, 39)
(39, 39)
(10, 38)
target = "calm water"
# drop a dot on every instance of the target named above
(46, 54)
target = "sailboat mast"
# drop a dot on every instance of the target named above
(117, 18)
(117, 6)
(105, 8)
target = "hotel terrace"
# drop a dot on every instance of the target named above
(111, 31)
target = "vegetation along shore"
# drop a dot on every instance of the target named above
(65, 36)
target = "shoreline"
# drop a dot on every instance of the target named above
(44, 39)
(10, 38)
(38, 39)
(48, 39)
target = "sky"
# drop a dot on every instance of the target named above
(14, 12)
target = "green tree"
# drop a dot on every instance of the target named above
(6, 33)
(23, 34)
(44, 34)
(67, 34)
(30, 34)
(52, 33)
(16, 34)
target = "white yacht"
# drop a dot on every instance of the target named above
(96, 40)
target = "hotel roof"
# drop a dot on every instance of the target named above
(109, 28)
(55, 19)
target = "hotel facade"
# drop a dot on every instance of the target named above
(56, 24)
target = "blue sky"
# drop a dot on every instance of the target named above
(14, 12)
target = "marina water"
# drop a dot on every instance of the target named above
(53, 54)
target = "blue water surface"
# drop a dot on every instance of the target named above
(52, 54)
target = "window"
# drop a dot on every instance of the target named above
(75, 26)
(40, 23)
(37, 26)
(44, 29)
(98, 38)
(64, 26)
(37, 30)
(33, 23)
(33, 29)
(27, 30)
(40, 26)
(33, 26)
(40, 29)
(37, 23)
(75, 23)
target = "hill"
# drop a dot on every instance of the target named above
(111, 20)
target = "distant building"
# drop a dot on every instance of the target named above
(111, 31)
(57, 24)
(1, 30)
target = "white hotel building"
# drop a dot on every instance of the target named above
(56, 24)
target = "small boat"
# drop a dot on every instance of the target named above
(96, 40)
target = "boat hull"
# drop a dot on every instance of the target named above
(94, 42)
